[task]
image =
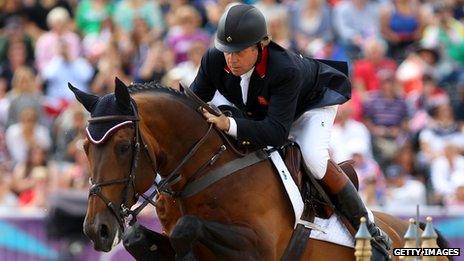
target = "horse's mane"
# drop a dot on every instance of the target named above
(155, 87)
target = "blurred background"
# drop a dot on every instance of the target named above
(404, 126)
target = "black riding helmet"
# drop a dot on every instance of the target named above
(241, 26)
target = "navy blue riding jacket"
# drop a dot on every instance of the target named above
(282, 87)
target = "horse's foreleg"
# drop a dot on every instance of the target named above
(184, 236)
(224, 241)
(145, 244)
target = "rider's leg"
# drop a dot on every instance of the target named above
(312, 132)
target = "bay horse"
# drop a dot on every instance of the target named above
(144, 130)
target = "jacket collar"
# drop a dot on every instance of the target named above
(261, 67)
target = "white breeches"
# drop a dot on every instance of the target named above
(312, 132)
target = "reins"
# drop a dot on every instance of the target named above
(194, 184)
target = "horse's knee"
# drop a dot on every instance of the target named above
(187, 225)
(186, 232)
(184, 236)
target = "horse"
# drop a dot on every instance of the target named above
(144, 130)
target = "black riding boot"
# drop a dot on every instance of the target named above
(349, 205)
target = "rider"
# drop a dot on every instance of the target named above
(280, 93)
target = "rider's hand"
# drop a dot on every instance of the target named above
(221, 122)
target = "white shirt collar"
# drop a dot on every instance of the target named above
(247, 75)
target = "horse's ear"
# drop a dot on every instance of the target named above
(122, 94)
(86, 99)
(181, 87)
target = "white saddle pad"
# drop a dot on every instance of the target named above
(335, 231)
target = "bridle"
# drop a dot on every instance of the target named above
(95, 189)
(123, 213)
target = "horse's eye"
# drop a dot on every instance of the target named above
(124, 148)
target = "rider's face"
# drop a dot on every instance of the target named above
(241, 62)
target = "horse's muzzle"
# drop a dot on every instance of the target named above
(103, 233)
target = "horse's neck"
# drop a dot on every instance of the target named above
(177, 128)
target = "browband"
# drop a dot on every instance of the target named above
(113, 118)
(108, 133)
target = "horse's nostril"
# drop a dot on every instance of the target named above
(104, 232)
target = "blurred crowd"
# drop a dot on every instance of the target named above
(403, 128)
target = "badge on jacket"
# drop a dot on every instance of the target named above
(262, 101)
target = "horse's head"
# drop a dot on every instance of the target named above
(116, 154)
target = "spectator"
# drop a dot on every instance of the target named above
(172, 78)
(355, 21)
(64, 68)
(49, 44)
(348, 131)
(328, 49)
(14, 32)
(35, 196)
(5, 160)
(401, 25)
(457, 199)
(37, 12)
(27, 133)
(169, 8)
(7, 197)
(22, 174)
(403, 190)
(25, 93)
(76, 177)
(451, 36)
(407, 173)
(214, 10)
(10, 8)
(188, 69)
(459, 109)
(127, 10)
(366, 69)
(158, 61)
(90, 14)
(371, 180)
(94, 45)
(109, 66)
(69, 139)
(427, 97)
(418, 63)
(272, 9)
(185, 32)
(141, 37)
(420, 101)
(440, 130)
(310, 21)
(16, 58)
(386, 116)
(277, 18)
(446, 171)
(4, 104)
(278, 28)
(406, 159)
